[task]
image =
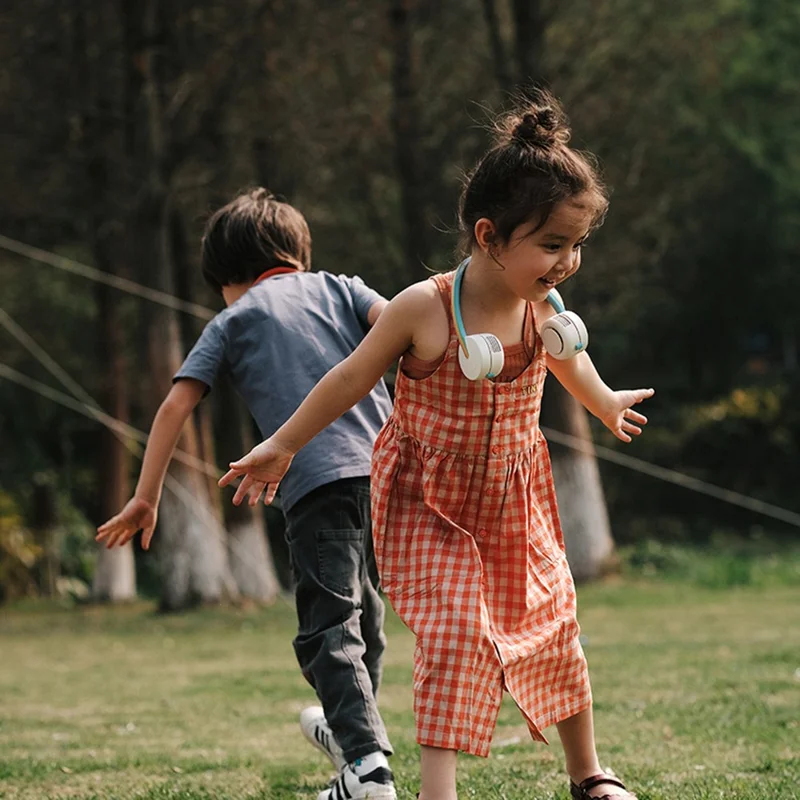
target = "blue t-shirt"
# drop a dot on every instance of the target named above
(276, 342)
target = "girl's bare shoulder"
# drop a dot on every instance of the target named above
(422, 303)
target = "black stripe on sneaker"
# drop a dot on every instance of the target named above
(381, 775)
(340, 788)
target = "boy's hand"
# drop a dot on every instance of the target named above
(620, 417)
(263, 468)
(138, 515)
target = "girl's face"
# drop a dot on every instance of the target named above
(534, 261)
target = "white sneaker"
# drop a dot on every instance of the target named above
(366, 778)
(316, 729)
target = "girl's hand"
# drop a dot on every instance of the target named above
(263, 468)
(620, 417)
(138, 515)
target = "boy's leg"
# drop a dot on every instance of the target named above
(329, 536)
(372, 617)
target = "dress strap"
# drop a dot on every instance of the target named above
(444, 283)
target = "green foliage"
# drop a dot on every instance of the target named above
(746, 441)
(78, 550)
(725, 562)
(18, 552)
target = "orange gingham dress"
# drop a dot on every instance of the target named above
(470, 550)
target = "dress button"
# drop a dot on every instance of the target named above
(499, 418)
(483, 533)
(495, 449)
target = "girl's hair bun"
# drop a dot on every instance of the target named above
(540, 122)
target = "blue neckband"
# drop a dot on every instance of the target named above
(553, 297)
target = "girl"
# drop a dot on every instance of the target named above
(467, 536)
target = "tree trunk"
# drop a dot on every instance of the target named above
(529, 28)
(44, 522)
(582, 505)
(250, 555)
(115, 572)
(191, 542)
(189, 330)
(581, 502)
(115, 576)
(251, 559)
(405, 118)
(497, 46)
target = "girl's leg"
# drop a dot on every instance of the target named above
(438, 769)
(577, 737)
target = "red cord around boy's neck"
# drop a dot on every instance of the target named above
(274, 271)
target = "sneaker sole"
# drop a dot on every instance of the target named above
(383, 794)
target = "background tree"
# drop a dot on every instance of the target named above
(125, 124)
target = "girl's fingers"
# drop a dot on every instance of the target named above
(102, 533)
(642, 394)
(107, 528)
(630, 428)
(228, 477)
(635, 416)
(243, 463)
(255, 492)
(110, 534)
(112, 540)
(147, 536)
(269, 495)
(620, 434)
(241, 490)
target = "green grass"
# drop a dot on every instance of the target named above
(697, 694)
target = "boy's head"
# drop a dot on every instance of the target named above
(250, 235)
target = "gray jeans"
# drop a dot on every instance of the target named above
(340, 639)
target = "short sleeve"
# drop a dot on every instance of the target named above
(206, 357)
(363, 297)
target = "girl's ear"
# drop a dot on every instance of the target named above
(485, 235)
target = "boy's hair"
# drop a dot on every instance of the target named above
(251, 234)
(528, 171)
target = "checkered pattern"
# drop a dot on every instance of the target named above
(471, 552)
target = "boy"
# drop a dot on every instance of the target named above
(284, 328)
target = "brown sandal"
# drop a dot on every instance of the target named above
(580, 791)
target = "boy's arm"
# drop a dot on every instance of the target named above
(340, 389)
(375, 310)
(141, 511)
(580, 378)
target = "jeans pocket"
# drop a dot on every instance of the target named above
(339, 557)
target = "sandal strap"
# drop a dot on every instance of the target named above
(596, 780)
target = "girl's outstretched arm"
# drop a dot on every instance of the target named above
(581, 379)
(341, 388)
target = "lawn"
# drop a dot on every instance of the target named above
(697, 693)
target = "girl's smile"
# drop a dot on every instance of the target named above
(537, 257)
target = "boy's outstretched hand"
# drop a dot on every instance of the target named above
(263, 468)
(620, 417)
(138, 515)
